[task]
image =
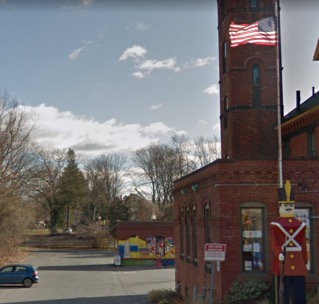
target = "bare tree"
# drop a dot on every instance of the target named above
(17, 160)
(45, 186)
(158, 165)
(206, 150)
(183, 149)
(59, 185)
(15, 217)
(105, 181)
(157, 168)
(141, 208)
(17, 156)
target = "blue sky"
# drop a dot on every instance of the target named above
(111, 76)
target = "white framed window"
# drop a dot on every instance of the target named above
(252, 233)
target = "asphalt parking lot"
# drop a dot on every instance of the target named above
(87, 277)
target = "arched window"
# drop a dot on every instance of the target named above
(224, 58)
(187, 227)
(181, 232)
(256, 85)
(312, 142)
(194, 234)
(206, 223)
(253, 227)
(225, 112)
(207, 228)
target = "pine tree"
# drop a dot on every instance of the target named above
(73, 189)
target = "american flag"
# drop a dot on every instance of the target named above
(262, 32)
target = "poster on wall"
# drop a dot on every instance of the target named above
(153, 247)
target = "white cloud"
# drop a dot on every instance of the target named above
(156, 128)
(87, 3)
(155, 107)
(149, 65)
(212, 90)
(139, 74)
(145, 67)
(202, 122)
(76, 53)
(134, 52)
(63, 130)
(86, 42)
(216, 127)
(142, 26)
(77, 5)
(199, 62)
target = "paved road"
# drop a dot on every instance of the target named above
(87, 277)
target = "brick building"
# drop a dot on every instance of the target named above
(233, 200)
(146, 243)
(127, 229)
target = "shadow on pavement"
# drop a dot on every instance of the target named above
(99, 267)
(80, 253)
(137, 299)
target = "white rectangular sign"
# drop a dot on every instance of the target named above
(215, 252)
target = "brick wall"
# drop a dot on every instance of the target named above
(144, 229)
(250, 175)
(225, 186)
(250, 132)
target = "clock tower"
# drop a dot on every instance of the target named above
(249, 79)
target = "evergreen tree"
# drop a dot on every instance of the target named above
(119, 210)
(73, 190)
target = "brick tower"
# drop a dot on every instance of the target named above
(236, 197)
(248, 79)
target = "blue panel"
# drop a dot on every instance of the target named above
(121, 249)
(134, 248)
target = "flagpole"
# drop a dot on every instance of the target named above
(279, 291)
(279, 109)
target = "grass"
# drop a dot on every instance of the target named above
(38, 232)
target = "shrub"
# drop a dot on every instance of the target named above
(97, 232)
(312, 296)
(163, 296)
(249, 291)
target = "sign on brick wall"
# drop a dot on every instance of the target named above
(215, 252)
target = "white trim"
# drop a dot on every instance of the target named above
(290, 238)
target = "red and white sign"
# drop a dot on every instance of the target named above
(215, 252)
